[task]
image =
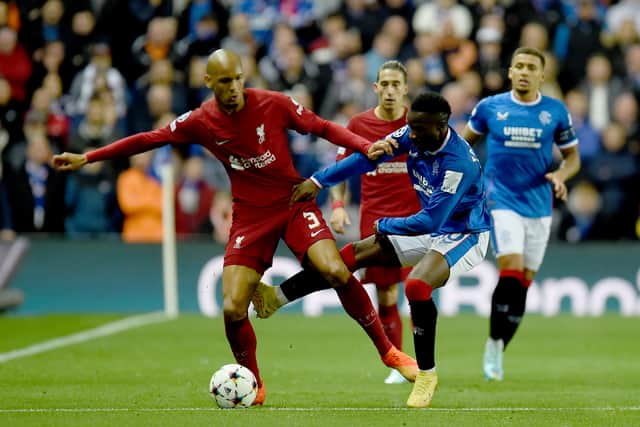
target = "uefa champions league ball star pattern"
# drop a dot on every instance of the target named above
(233, 386)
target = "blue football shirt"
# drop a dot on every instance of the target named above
(520, 138)
(448, 183)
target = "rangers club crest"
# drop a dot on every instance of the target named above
(545, 117)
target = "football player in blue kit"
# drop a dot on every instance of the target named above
(520, 127)
(447, 237)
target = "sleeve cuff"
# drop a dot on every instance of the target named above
(316, 182)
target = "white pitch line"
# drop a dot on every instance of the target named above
(101, 331)
(340, 409)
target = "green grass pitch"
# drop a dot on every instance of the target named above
(561, 371)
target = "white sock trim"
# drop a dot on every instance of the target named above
(282, 299)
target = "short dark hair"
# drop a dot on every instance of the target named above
(529, 51)
(393, 65)
(432, 103)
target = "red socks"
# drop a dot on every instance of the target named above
(417, 290)
(242, 340)
(358, 305)
(391, 323)
(349, 257)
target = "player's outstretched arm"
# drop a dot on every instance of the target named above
(69, 161)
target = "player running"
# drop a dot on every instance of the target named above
(246, 129)
(447, 237)
(521, 127)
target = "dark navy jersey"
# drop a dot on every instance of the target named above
(520, 138)
(448, 183)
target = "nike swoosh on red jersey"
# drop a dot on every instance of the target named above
(315, 233)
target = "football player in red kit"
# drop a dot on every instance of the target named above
(246, 129)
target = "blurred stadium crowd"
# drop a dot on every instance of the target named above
(79, 74)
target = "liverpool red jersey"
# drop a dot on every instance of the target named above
(387, 191)
(251, 143)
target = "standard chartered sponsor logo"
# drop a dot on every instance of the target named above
(240, 163)
(389, 167)
(471, 292)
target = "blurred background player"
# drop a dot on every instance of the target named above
(521, 127)
(385, 191)
(447, 237)
(246, 130)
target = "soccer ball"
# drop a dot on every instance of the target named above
(233, 386)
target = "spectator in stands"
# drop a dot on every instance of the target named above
(140, 200)
(589, 138)
(401, 8)
(398, 27)
(45, 25)
(79, 39)
(94, 130)
(159, 101)
(162, 72)
(435, 16)
(252, 77)
(198, 11)
(159, 42)
(550, 85)
(240, 38)
(261, 16)
(194, 198)
(45, 106)
(274, 62)
(196, 91)
(535, 34)
(15, 64)
(365, 16)
(416, 77)
(36, 191)
(99, 74)
(355, 89)
(385, 47)
(90, 202)
(575, 40)
(454, 92)
(298, 70)
(429, 53)
(615, 174)
(632, 69)
(582, 218)
(202, 41)
(601, 88)
(10, 112)
(626, 113)
(490, 65)
(50, 59)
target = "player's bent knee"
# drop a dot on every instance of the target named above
(335, 272)
(233, 310)
(417, 290)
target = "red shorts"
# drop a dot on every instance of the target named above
(255, 233)
(381, 276)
